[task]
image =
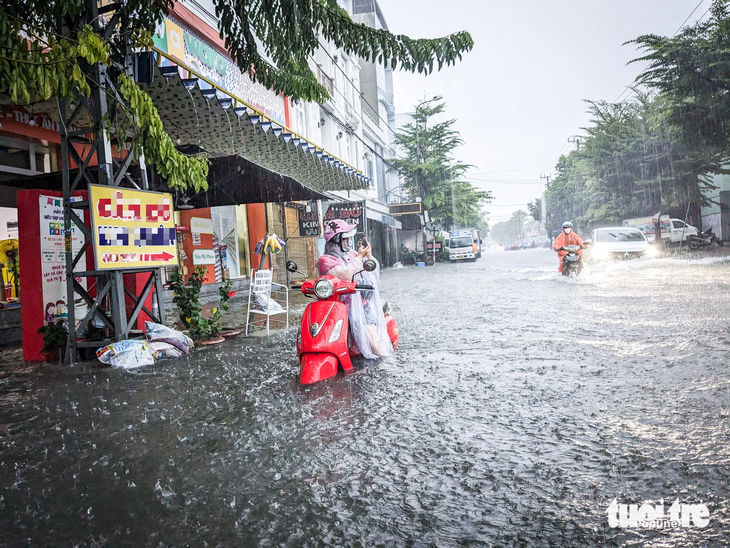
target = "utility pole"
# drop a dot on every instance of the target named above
(575, 139)
(418, 179)
(548, 178)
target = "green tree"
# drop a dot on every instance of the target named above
(430, 172)
(691, 72)
(633, 163)
(48, 47)
(535, 209)
(505, 232)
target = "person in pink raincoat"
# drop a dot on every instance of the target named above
(368, 333)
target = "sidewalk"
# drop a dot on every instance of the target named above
(685, 252)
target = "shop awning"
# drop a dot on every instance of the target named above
(222, 125)
(232, 180)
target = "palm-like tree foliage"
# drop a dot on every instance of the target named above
(430, 172)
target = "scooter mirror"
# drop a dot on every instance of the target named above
(369, 265)
(291, 266)
(588, 242)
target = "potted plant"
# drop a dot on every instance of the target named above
(187, 298)
(226, 292)
(55, 338)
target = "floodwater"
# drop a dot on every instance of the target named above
(519, 406)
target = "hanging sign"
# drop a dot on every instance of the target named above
(132, 228)
(201, 225)
(350, 212)
(308, 221)
(54, 243)
(203, 257)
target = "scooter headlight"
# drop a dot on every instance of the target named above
(324, 288)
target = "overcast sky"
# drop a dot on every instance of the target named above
(519, 94)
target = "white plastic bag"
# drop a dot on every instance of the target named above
(162, 350)
(162, 333)
(129, 353)
(267, 304)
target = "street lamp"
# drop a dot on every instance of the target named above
(418, 172)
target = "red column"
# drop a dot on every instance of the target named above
(29, 241)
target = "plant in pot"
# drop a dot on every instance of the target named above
(226, 292)
(55, 338)
(187, 299)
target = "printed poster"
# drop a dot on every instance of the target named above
(53, 261)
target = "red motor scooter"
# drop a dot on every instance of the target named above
(322, 341)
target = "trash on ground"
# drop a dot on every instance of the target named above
(163, 350)
(157, 332)
(128, 354)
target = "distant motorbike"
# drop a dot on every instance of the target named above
(704, 239)
(572, 261)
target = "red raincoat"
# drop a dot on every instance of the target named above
(567, 239)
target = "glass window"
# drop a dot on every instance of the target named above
(678, 224)
(463, 241)
(15, 156)
(618, 235)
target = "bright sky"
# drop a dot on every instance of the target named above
(519, 94)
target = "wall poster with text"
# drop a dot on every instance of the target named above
(53, 261)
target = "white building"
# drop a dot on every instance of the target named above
(357, 124)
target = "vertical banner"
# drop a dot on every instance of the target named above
(350, 212)
(132, 228)
(308, 220)
(53, 260)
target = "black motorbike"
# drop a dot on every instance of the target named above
(704, 239)
(572, 261)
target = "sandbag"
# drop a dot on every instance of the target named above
(129, 353)
(162, 333)
(162, 350)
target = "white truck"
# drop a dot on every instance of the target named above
(464, 245)
(673, 230)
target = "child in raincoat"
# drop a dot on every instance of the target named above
(368, 333)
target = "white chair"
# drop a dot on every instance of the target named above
(262, 286)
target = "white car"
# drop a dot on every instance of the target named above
(617, 243)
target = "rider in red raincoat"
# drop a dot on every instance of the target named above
(567, 237)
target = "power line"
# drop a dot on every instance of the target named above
(473, 180)
(630, 88)
(362, 96)
(690, 15)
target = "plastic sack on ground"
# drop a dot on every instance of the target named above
(162, 333)
(127, 354)
(267, 304)
(162, 350)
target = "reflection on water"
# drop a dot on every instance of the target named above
(519, 405)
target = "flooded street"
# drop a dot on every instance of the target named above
(519, 406)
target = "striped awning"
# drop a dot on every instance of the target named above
(220, 125)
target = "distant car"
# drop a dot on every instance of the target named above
(617, 243)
